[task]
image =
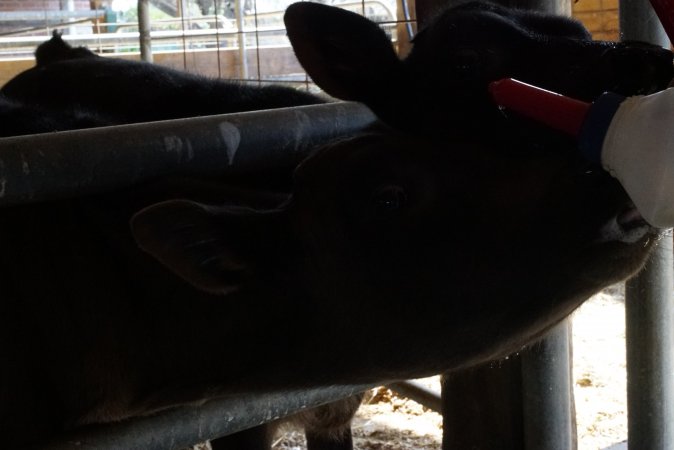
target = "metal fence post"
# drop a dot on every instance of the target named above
(547, 392)
(535, 387)
(144, 30)
(650, 342)
(649, 306)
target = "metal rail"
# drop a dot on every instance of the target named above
(419, 393)
(70, 163)
(11, 16)
(187, 426)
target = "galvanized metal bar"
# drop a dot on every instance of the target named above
(638, 21)
(649, 318)
(144, 37)
(186, 426)
(548, 410)
(71, 163)
(539, 397)
(241, 39)
(9, 16)
(419, 393)
(649, 306)
(547, 403)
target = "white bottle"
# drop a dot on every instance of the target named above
(637, 148)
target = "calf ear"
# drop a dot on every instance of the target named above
(211, 247)
(347, 55)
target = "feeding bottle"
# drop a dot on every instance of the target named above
(631, 137)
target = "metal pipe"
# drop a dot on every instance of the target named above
(187, 426)
(144, 30)
(638, 21)
(548, 409)
(8, 16)
(241, 39)
(71, 163)
(535, 386)
(547, 396)
(649, 313)
(665, 11)
(649, 307)
(419, 393)
(68, 5)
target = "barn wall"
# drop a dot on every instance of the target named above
(598, 16)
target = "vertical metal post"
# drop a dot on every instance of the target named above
(638, 21)
(548, 410)
(650, 343)
(96, 29)
(405, 28)
(144, 29)
(68, 5)
(241, 38)
(649, 306)
(535, 410)
(547, 403)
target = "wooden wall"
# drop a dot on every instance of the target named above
(598, 16)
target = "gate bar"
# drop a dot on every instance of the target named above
(70, 163)
(419, 393)
(649, 305)
(186, 426)
(547, 392)
(9, 16)
(144, 27)
(649, 314)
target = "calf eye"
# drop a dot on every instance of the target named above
(387, 200)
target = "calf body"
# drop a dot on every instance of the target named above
(473, 243)
(18, 118)
(122, 91)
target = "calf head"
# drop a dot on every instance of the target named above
(472, 254)
(56, 49)
(472, 243)
(442, 83)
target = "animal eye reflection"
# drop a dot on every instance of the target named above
(388, 199)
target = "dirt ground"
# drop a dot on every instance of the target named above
(389, 422)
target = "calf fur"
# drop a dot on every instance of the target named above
(122, 91)
(473, 243)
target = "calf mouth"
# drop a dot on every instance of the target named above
(626, 226)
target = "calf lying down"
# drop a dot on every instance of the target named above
(473, 243)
